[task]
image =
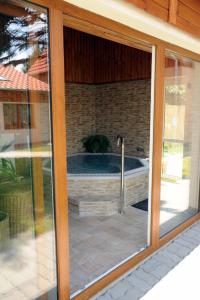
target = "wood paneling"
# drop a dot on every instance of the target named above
(163, 3)
(188, 16)
(157, 10)
(116, 62)
(184, 14)
(173, 11)
(79, 56)
(138, 3)
(90, 59)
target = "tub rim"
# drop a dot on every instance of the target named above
(128, 174)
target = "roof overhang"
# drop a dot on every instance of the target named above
(133, 17)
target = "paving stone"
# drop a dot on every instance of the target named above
(178, 250)
(120, 289)
(149, 265)
(170, 255)
(138, 283)
(15, 294)
(160, 271)
(134, 285)
(147, 277)
(164, 260)
(185, 243)
(133, 294)
(105, 296)
(5, 285)
(192, 234)
(189, 239)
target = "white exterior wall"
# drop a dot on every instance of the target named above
(20, 136)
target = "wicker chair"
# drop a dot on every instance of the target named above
(19, 208)
(4, 229)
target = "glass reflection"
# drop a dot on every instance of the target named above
(27, 237)
(180, 163)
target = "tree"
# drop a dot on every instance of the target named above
(22, 36)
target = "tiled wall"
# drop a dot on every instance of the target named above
(124, 108)
(80, 114)
(111, 109)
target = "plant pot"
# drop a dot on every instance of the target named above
(4, 229)
(19, 207)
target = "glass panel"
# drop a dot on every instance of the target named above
(27, 234)
(108, 95)
(181, 142)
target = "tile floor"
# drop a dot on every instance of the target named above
(171, 273)
(98, 244)
(27, 268)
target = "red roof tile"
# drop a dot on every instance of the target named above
(40, 65)
(12, 79)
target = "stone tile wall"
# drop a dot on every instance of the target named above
(111, 109)
(80, 114)
(101, 195)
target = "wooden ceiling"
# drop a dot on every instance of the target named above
(90, 59)
(184, 14)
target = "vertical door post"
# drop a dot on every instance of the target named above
(157, 144)
(59, 150)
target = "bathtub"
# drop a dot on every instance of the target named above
(94, 182)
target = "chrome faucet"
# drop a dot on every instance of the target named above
(120, 141)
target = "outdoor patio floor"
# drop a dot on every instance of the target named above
(171, 273)
(98, 244)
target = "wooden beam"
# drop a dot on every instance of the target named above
(59, 151)
(83, 26)
(173, 7)
(116, 31)
(12, 10)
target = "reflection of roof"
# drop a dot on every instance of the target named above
(13, 79)
(40, 65)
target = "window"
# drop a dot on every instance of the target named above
(181, 142)
(17, 116)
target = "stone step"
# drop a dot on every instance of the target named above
(95, 206)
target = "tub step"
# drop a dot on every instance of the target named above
(95, 206)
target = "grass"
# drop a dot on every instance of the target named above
(169, 179)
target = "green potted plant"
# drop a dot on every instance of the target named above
(97, 143)
(15, 197)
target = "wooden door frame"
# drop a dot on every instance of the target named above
(59, 151)
(62, 13)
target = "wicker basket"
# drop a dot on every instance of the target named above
(19, 208)
(4, 229)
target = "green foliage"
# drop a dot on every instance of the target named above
(176, 89)
(23, 166)
(96, 143)
(8, 171)
(187, 167)
(3, 216)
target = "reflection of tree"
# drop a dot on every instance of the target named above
(175, 93)
(176, 89)
(22, 36)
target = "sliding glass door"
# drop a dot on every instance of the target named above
(27, 237)
(181, 142)
(109, 123)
